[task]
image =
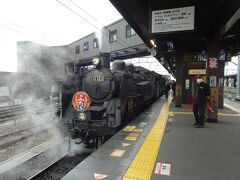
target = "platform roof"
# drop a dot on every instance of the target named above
(215, 21)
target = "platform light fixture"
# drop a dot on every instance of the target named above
(153, 43)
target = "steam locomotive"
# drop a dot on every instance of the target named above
(97, 102)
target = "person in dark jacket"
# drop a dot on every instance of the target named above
(167, 87)
(201, 96)
(173, 88)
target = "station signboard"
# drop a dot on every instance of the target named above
(196, 71)
(172, 20)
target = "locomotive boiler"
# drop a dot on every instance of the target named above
(97, 102)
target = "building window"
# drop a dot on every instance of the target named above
(129, 31)
(95, 43)
(77, 49)
(113, 36)
(85, 46)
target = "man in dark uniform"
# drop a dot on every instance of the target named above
(174, 88)
(166, 89)
(201, 96)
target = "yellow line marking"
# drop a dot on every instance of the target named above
(143, 163)
(171, 113)
(183, 113)
(232, 107)
(223, 114)
(190, 113)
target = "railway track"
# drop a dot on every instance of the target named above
(60, 168)
(19, 135)
(20, 106)
(19, 113)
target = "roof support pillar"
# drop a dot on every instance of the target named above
(213, 79)
(238, 78)
(179, 76)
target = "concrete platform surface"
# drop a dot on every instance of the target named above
(162, 143)
(210, 153)
(113, 158)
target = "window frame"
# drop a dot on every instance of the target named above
(111, 34)
(97, 43)
(77, 49)
(128, 27)
(86, 44)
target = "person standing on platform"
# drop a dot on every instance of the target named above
(201, 96)
(166, 89)
(173, 88)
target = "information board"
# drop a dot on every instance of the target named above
(171, 20)
(196, 71)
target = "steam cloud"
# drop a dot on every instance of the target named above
(38, 68)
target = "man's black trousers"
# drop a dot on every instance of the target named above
(199, 113)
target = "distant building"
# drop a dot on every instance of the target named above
(115, 38)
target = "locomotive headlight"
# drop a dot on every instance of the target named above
(96, 61)
(82, 116)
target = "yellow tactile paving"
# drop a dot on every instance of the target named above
(190, 113)
(143, 163)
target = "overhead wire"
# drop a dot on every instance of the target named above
(95, 19)
(27, 34)
(23, 31)
(70, 9)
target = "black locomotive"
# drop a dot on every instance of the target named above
(97, 102)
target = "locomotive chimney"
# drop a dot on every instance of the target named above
(105, 57)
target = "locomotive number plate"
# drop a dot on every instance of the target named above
(97, 78)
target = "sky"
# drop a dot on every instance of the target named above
(231, 67)
(48, 22)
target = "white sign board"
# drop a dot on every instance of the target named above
(187, 84)
(171, 20)
(213, 81)
(196, 71)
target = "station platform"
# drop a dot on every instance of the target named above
(162, 143)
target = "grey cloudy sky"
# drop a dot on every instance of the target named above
(48, 22)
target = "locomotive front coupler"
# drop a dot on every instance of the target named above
(75, 133)
(88, 135)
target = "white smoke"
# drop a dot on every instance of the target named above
(31, 88)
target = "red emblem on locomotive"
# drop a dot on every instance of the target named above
(81, 101)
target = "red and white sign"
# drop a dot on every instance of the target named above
(81, 101)
(212, 63)
(99, 176)
(163, 169)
